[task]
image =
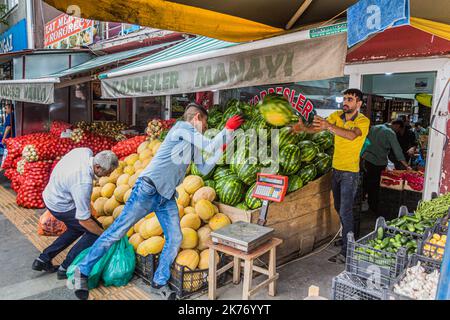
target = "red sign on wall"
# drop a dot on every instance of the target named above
(68, 32)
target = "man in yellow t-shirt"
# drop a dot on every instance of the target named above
(350, 128)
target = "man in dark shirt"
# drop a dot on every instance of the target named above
(407, 140)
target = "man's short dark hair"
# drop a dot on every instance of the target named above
(355, 92)
(399, 122)
(192, 109)
(417, 124)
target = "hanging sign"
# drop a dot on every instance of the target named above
(42, 93)
(15, 38)
(368, 17)
(314, 59)
(66, 32)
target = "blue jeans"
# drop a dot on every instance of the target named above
(143, 199)
(345, 186)
(73, 232)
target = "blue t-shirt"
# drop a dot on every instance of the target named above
(9, 122)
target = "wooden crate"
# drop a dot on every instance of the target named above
(304, 220)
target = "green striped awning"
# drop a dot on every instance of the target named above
(190, 47)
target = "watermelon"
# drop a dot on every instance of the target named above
(330, 151)
(276, 110)
(210, 183)
(305, 143)
(301, 136)
(287, 136)
(221, 172)
(251, 202)
(231, 192)
(196, 172)
(290, 159)
(324, 139)
(238, 159)
(323, 163)
(308, 153)
(295, 183)
(242, 206)
(308, 173)
(248, 170)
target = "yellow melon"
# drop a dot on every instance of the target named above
(204, 234)
(138, 224)
(99, 205)
(130, 232)
(190, 220)
(132, 180)
(146, 162)
(123, 179)
(219, 221)
(108, 190)
(156, 147)
(204, 209)
(188, 258)
(180, 210)
(152, 144)
(204, 193)
(189, 210)
(216, 210)
(150, 228)
(114, 176)
(204, 259)
(122, 165)
(131, 159)
(183, 198)
(117, 211)
(101, 219)
(129, 170)
(120, 191)
(135, 240)
(137, 165)
(143, 146)
(191, 202)
(192, 183)
(146, 154)
(127, 195)
(190, 238)
(102, 181)
(110, 205)
(153, 245)
(150, 215)
(107, 221)
(96, 193)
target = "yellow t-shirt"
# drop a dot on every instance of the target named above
(346, 152)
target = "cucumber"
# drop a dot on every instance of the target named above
(380, 233)
(410, 227)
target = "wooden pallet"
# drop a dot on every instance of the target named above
(26, 221)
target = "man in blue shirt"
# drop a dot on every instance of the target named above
(154, 191)
(8, 126)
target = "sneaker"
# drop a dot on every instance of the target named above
(80, 282)
(338, 258)
(164, 291)
(39, 265)
(61, 274)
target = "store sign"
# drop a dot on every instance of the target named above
(301, 104)
(15, 38)
(314, 59)
(368, 17)
(66, 32)
(328, 30)
(42, 93)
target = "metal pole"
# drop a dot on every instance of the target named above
(443, 292)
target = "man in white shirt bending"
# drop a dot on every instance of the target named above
(68, 197)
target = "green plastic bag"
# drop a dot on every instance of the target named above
(120, 268)
(97, 270)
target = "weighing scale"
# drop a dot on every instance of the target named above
(246, 236)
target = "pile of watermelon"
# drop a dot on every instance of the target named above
(302, 157)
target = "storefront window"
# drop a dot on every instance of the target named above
(148, 108)
(102, 109)
(179, 103)
(79, 95)
(323, 94)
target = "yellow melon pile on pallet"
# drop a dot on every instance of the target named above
(110, 194)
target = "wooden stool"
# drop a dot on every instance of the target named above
(236, 264)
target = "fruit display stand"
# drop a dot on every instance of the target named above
(304, 220)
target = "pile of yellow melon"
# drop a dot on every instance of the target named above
(198, 217)
(110, 193)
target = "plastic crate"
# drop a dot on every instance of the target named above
(403, 211)
(428, 264)
(146, 267)
(350, 287)
(382, 269)
(186, 282)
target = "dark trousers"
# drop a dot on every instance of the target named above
(372, 177)
(344, 186)
(73, 232)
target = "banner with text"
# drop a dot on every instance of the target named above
(314, 59)
(42, 93)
